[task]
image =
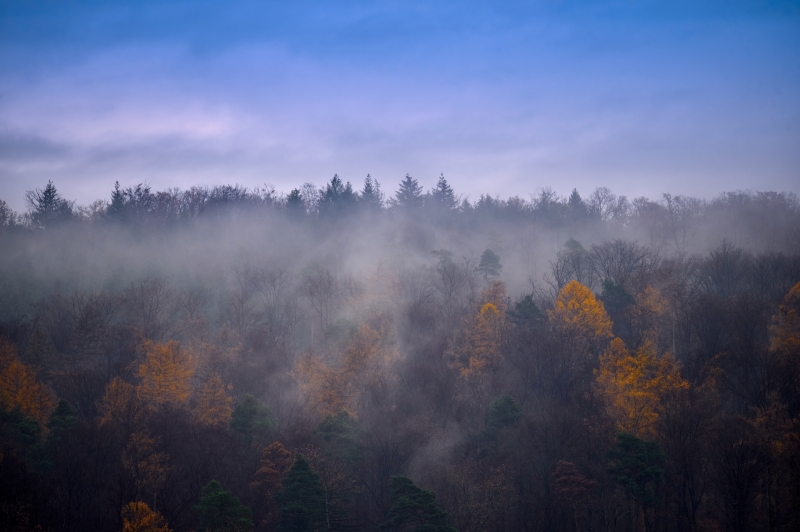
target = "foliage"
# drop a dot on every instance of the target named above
(414, 509)
(489, 266)
(222, 512)
(576, 311)
(20, 389)
(47, 207)
(638, 467)
(138, 517)
(636, 385)
(252, 420)
(165, 374)
(503, 412)
(302, 499)
(214, 405)
(478, 349)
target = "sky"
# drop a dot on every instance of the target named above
(503, 98)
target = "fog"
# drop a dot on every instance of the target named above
(383, 331)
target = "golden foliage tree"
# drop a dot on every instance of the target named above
(138, 517)
(786, 324)
(19, 387)
(146, 466)
(214, 404)
(635, 385)
(165, 374)
(477, 349)
(577, 312)
(360, 371)
(646, 314)
(120, 404)
(276, 461)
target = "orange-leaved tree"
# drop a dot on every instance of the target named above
(577, 313)
(785, 346)
(19, 387)
(165, 374)
(477, 350)
(214, 404)
(138, 517)
(636, 385)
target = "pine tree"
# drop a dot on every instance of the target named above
(302, 499)
(47, 206)
(409, 196)
(443, 195)
(371, 197)
(414, 509)
(222, 512)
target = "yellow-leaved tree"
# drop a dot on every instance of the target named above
(19, 387)
(477, 349)
(635, 385)
(214, 404)
(578, 318)
(138, 517)
(359, 372)
(165, 374)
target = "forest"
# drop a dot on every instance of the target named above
(344, 359)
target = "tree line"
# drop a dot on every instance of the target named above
(326, 360)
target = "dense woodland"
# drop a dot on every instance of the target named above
(337, 359)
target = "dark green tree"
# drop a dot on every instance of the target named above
(526, 311)
(371, 197)
(576, 208)
(295, 205)
(222, 512)
(414, 509)
(302, 500)
(443, 196)
(503, 412)
(339, 434)
(638, 467)
(47, 207)
(489, 266)
(252, 420)
(409, 196)
(337, 197)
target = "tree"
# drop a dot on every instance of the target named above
(47, 207)
(409, 196)
(252, 420)
(489, 266)
(138, 517)
(576, 207)
(443, 196)
(636, 386)
(414, 509)
(371, 197)
(638, 467)
(222, 512)
(302, 499)
(477, 350)
(165, 374)
(577, 312)
(274, 466)
(503, 412)
(214, 405)
(336, 198)
(20, 389)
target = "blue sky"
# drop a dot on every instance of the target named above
(502, 97)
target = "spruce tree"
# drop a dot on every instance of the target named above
(302, 499)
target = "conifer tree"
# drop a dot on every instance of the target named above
(302, 499)
(409, 196)
(414, 509)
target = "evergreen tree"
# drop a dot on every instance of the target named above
(116, 208)
(414, 509)
(489, 266)
(302, 499)
(576, 207)
(222, 512)
(443, 196)
(337, 197)
(371, 196)
(409, 196)
(503, 412)
(295, 205)
(47, 207)
(252, 420)
(638, 467)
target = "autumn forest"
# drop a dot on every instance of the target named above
(347, 359)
